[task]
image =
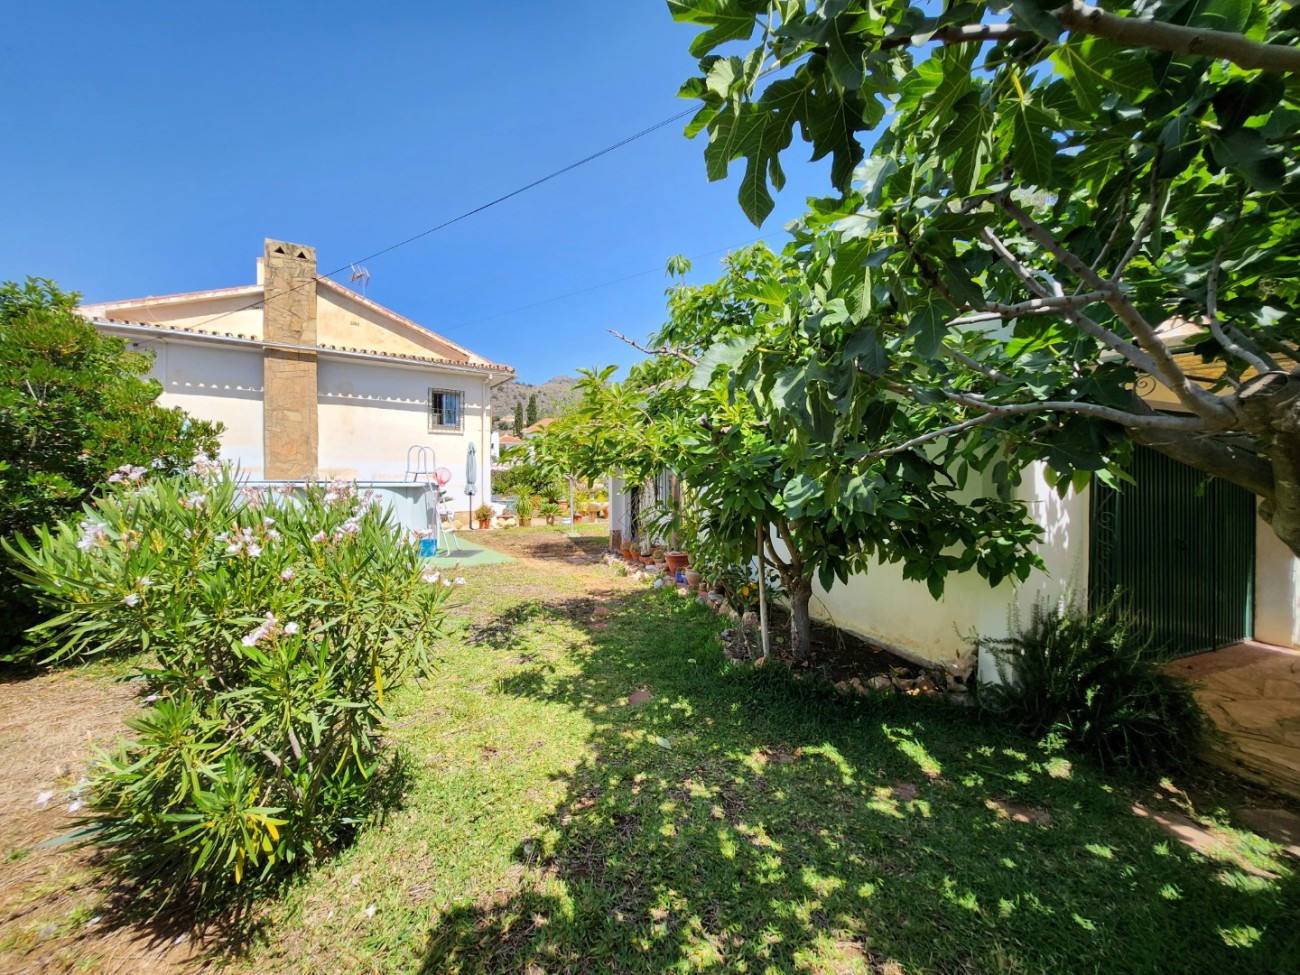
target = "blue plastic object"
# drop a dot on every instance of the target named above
(428, 548)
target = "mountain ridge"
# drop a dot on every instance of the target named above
(552, 397)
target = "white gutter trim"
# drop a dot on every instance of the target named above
(199, 338)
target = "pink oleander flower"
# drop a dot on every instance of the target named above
(288, 574)
(268, 628)
(93, 533)
(290, 629)
(430, 576)
(131, 599)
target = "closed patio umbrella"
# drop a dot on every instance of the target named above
(471, 478)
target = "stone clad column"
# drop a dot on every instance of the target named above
(290, 429)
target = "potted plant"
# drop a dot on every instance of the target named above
(525, 505)
(550, 510)
(484, 515)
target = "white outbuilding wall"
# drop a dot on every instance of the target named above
(220, 384)
(881, 605)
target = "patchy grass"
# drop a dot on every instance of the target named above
(595, 790)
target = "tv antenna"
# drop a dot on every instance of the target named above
(360, 274)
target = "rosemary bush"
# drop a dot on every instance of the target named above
(1093, 679)
(277, 622)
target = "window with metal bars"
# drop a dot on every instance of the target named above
(444, 410)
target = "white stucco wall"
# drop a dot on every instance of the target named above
(372, 413)
(219, 384)
(369, 413)
(228, 315)
(349, 323)
(883, 606)
(620, 507)
(1277, 590)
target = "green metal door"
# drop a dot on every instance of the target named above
(1180, 547)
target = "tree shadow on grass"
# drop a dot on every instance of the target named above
(183, 926)
(747, 820)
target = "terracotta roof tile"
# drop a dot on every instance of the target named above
(481, 364)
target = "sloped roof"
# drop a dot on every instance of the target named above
(540, 425)
(118, 312)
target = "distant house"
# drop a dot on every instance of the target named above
(539, 427)
(1199, 567)
(312, 379)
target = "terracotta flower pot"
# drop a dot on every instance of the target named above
(484, 522)
(693, 578)
(677, 561)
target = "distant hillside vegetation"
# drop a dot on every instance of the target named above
(552, 396)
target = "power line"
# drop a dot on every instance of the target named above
(583, 291)
(469, 213)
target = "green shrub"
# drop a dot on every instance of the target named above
(525, 503)
(520, 476)
(279, 622)
(555, 490)
(550, 510)
(74, 405)
(1092, 679)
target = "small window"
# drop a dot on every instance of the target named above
(444, 410)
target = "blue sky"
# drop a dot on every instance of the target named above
(151, 148)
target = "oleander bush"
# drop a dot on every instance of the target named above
(276, 624)
(1093, 680)
(74, 405)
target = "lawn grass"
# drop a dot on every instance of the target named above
(741, 820)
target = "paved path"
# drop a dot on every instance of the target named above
(1251, 691)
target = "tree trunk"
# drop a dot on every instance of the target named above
(1265, 460)
(800, 625)
(1269, 410)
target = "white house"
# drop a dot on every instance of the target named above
(1203, 569)
(313, 380)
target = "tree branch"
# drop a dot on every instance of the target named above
(1083, 18)
(1265, 344)
(661, 350)
(975, 364)
(1121, 222)
(778, 563)
(1214, 456)
(1144, 225)
(924, 438)
(1132, 421)
(997, 311)
(1216, 327)
(1161, 362)
(1105, 336)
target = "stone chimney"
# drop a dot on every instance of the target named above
(290, 431)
